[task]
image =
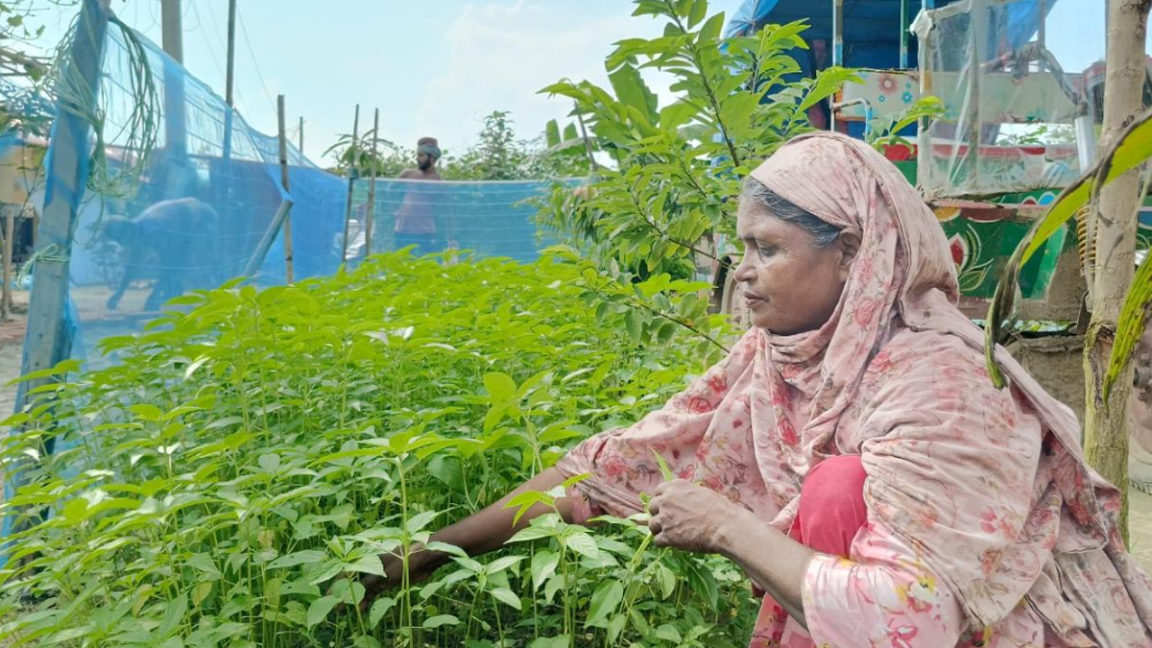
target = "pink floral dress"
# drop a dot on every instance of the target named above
(985, 525)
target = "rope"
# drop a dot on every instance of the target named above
(49, 254)
(137, 135)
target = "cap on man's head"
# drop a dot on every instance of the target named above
(428, 145)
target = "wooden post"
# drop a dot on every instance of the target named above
(284, 182)
(47, 341)
(1114, 236)
(371, 188)
(352, 173)
(9, 212)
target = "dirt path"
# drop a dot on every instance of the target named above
(11, 350)
(1140, 510)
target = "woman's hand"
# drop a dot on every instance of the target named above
(419, 569)
(688, 517)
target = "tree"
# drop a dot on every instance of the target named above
(498, 155)
(23, 70)
(1112, 230)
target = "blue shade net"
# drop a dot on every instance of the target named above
(200, 206)
(485, 218)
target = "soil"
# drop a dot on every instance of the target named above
(11, 345)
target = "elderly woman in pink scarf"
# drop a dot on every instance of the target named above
(851, 453)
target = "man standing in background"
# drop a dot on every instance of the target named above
(416, 217)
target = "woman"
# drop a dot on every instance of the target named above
(854, 457)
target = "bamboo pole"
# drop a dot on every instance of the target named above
(284, 181)
(371, 188)
(352, 172)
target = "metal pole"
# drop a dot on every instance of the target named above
(233, 244)
(923, 137)
(230, 75)
(300, 137)
(1041, 7)
(175, 130)
(284, 182)
(371, 188)
(837, 47)
(838, 32)
(903, 34)
(352, 172)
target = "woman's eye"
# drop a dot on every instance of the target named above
(764, 252)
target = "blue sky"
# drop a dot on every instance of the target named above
(436, 67)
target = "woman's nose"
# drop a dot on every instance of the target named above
(743, 270)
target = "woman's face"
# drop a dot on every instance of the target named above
(791, 286)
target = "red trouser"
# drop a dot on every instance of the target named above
(832, 508)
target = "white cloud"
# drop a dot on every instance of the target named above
(502, 54)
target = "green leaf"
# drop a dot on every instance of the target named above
(604, 601)
(633, 91)
(712, 29)
(369, 564)
(697, 13)
(703, 583)
(828, 81)
(544, 564)
(664, 469)
(320, 608)
(503, 563)
(432, 623)
(306, 557)
(204, 563)
(1134, 316)
(551, 133)
(633, 324)
(173, 615)
(667, 580)
(146, 411)
(668, 632)
(500, 386)
(506, 596)
(584, 544)
(366, 641)
(379, 608)
(1132, 148)
(417, 522)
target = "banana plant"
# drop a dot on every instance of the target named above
(1132, 149)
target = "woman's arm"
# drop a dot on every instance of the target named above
(776, 563)
(488, 529)
(694, 518)
(479, 533)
